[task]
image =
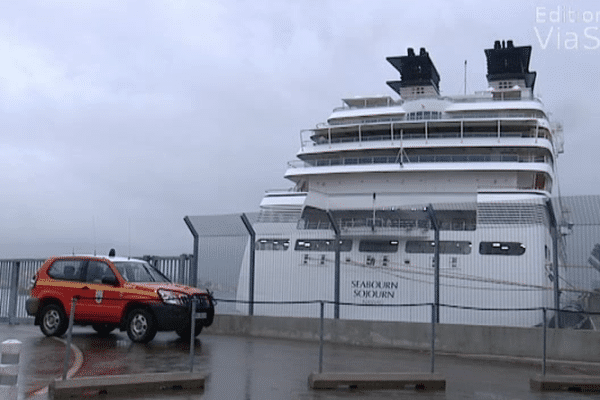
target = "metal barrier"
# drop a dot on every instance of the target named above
(15, 279)
(321, 303)
(434, 322)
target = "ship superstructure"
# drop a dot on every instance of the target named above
(486, 161)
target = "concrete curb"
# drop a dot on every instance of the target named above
(376, 381)
(571, 383)
(125, 384)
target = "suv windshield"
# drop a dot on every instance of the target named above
(139, 272)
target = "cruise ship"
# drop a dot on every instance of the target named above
(375, 181)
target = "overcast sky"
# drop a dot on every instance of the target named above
(119, 118)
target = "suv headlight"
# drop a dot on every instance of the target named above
(170, 297)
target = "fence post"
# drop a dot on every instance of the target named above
(9, 369)
(69, 338)
(193, 277)
(14, 293)
(436, 260)
(192, 333)
(321, 336)
(182, 262)
(434, 315)
(544, 342)
(336, 271)
(556, 283)
(252, 234)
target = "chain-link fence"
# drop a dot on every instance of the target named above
(488, 255)
(464, 256)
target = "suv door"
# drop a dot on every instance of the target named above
(99, 302)
(66, 275)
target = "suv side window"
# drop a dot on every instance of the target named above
(97, 270)
(69, 270)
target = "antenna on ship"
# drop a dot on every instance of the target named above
(94, 229)
(129, 238)
(465, 77)
(374, 197)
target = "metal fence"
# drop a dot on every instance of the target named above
(473, 259)
(492, 257)
(15, 280)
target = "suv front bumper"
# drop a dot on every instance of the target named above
(171, 317)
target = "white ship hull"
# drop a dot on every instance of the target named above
(402, 277)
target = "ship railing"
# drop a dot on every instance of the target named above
(324, 140)
(438, 117)
(507, 114)
(352, 224)
(283, 191)
(392, 223)
(317, 224)
(346, 161)
(477, 97)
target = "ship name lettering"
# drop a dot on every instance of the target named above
(374, 294)
(374, 285)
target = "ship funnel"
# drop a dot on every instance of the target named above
(418, 75)
(510, 64)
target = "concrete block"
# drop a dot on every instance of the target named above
(9, 369)
(125, 384)
(376, 381)
(571, 383)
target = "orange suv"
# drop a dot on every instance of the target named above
(114, 292)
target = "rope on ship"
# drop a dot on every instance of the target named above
(398, 271)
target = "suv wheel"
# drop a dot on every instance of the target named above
(140, 326)
(53, 320)
(103, 329)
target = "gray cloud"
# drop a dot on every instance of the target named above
(118, 118)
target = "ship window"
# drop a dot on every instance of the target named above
(502, 248)
(322, 245)
(423, 115)
(446, 247)
(459, 220)
(378, 246)
(272, 244)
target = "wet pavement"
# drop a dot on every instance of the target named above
(256, 368)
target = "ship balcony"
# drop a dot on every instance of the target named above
(405, 160)
(397, 226)
(480, 97)
(365, 226)
(461, 131)
(532, 166)
(324, 141)
(381, 226)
